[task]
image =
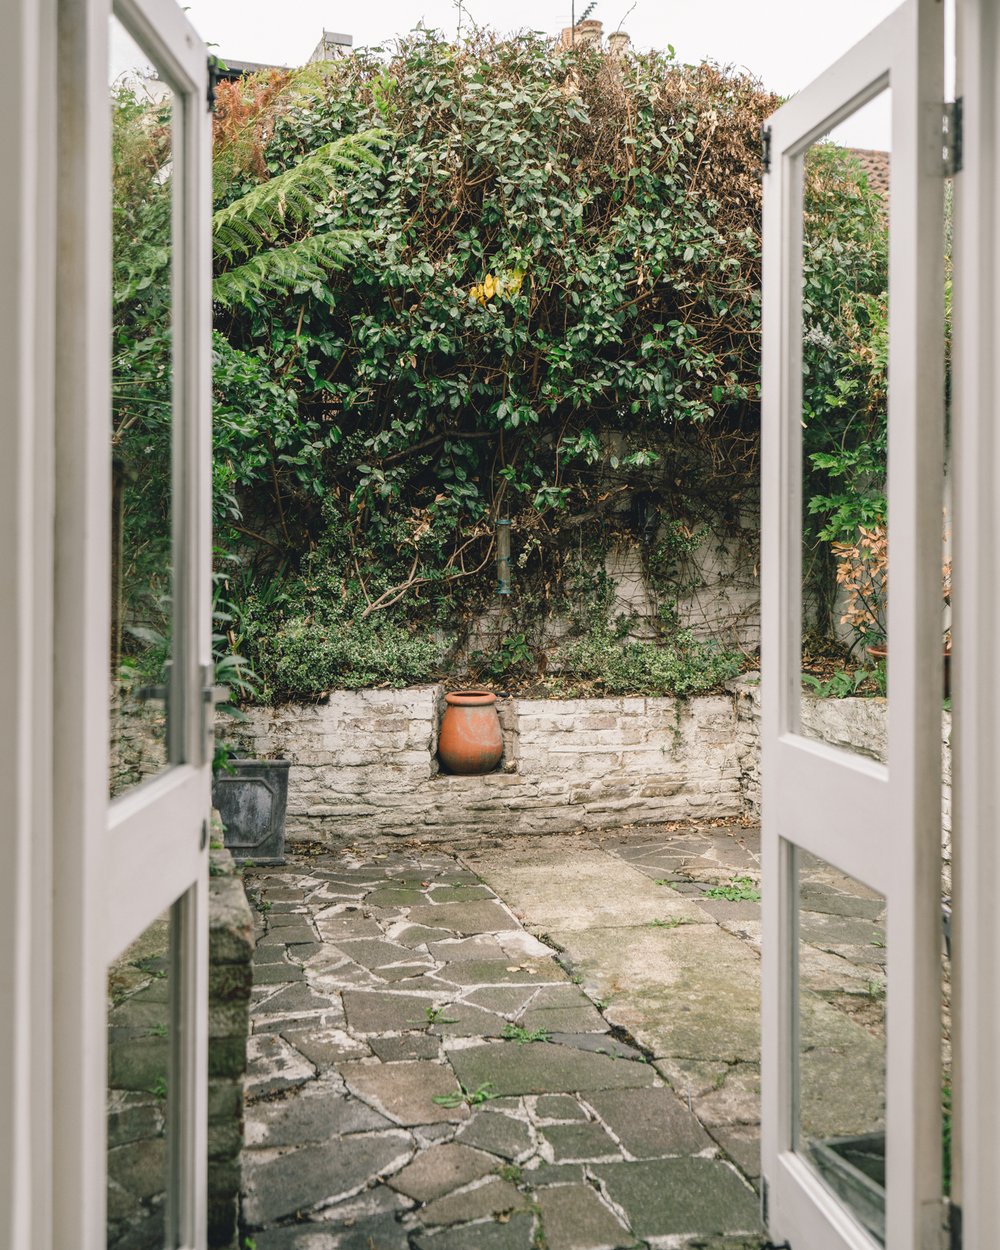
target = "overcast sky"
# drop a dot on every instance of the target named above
(784, 42)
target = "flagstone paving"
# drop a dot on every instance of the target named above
(427, 1073)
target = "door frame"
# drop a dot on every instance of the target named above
(818, 798)
(115, 870)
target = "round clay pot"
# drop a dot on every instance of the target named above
(470, 741)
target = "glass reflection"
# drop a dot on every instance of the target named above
(845, 310)
(138, 1055)
(842, 1047)
(142, 397)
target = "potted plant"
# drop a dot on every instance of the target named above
(250, 795)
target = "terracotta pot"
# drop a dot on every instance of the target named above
(470, 741)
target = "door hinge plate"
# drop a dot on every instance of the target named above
(951, 138)
(765, 148)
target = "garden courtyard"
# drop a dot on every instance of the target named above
(539, 1043)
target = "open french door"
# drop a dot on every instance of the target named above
(132, 756)
(851, 1083)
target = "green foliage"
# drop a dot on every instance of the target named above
(523, 1036)
(557, 248)
(682, 667)
(845, 308)
(739, 890)
(467, 1098)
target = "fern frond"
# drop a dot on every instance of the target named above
(288, 269)
(292, 197)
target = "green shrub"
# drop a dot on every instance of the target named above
(682, 667)
(304, 657)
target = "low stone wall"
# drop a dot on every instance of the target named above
(858, 725)
(363, 763)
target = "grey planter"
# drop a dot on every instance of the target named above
(251, 802)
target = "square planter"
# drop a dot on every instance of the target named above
(251, 802)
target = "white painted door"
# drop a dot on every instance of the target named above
(851, 1037)
(133, 627)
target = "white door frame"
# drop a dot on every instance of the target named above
(116, 870)
(880, 825)
(27, 267)
(976, 610)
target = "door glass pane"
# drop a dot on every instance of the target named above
(845, 545)
(842, 1053)
(139, 1020)
(142, 418)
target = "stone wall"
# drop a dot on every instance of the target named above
(363, 763)
(858, 725)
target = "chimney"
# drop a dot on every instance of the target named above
(584, 34)
(618, 43)
(331, 46)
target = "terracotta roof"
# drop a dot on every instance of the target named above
(876, 166)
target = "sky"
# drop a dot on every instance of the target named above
(784, 42)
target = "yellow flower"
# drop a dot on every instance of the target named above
(489, 286)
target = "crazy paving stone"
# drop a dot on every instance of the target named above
(577, 1143)
(670, 1197)
(414, 935)
(276, 973)
(273, 1065)
(552, 1174)
(650, 1123)
(481, 947)
(440, 1170)
(381, 1231)
(406, 1091)
(278, 1186)
(296, 998)
(336, 927)
(372, 954)
(558, 1107)
(453, 892)
(324, 1046)
(501, 1135)
(564, 1020)
(741, 1142)
(403, 972)
(493, 1198)
(390, 896)
(285, 937)
(501, 972)
(517, 1233)
(406, 1046)
(465, 918)
(464, 1020)
(373, 1012)
(314, 1115)
(506, 1000)
(542, 1069)
(574, 1218)
(601, 1043)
